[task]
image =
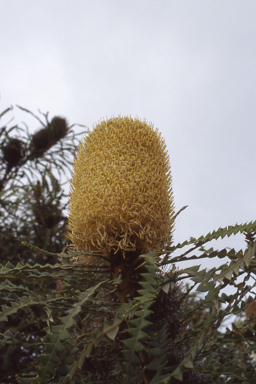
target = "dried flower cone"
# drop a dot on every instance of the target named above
(121, 196)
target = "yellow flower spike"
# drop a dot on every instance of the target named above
(121, 194)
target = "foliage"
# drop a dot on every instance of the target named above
(62, 322)
(32, 208)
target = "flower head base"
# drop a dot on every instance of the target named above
(121, 196)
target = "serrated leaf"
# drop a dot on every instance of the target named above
(49, 347)
(134, 344)
(134, 332)
(63, 333)
(157, 364)
(189, 364)
(110, 329)
(137, 322)
(157, 351)
(178, 374)
(131, 357)
(53, 337)
(142, 314)
(166, 286)
(68, 321)
(204, 287)
(112, 333)
(9, 265)
(235, 265)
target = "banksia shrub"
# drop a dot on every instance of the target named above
(121, 195)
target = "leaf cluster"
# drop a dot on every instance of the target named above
(32, 208)
(89, 337)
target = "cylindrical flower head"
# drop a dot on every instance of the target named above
(121, 194)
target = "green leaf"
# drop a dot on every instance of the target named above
(236, 265)
(204, 286)
(112, 329)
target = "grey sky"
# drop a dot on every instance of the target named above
(189, 67)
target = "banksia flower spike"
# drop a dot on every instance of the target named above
(121, 199)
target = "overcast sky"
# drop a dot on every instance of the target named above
(187, 66)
